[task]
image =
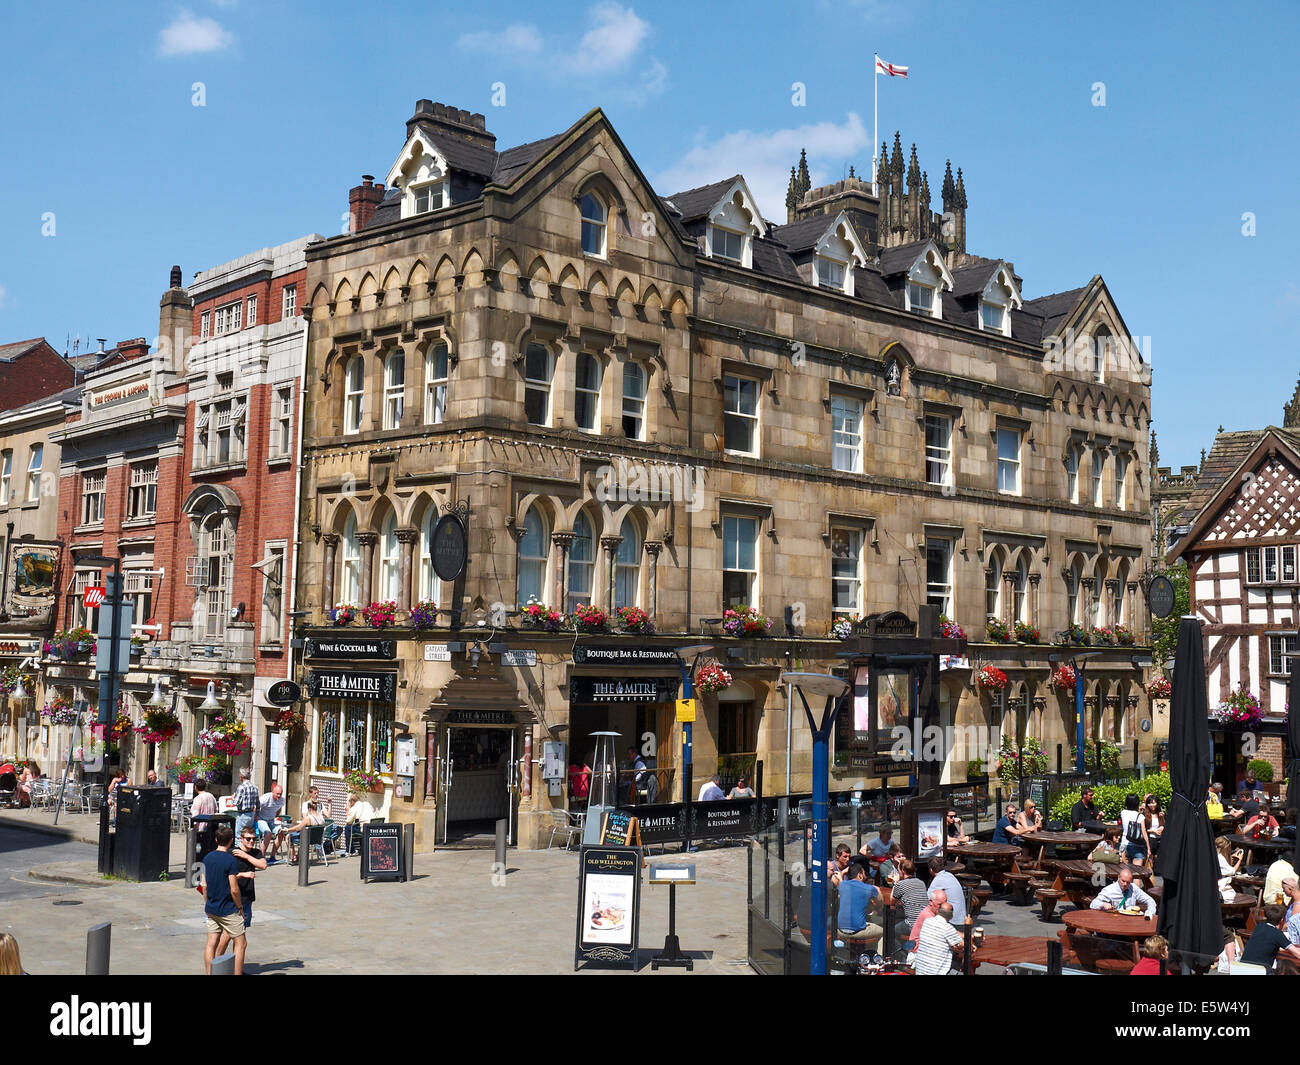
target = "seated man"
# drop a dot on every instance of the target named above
(1123, 894)
(910, 893)
(839, 864)
(956, 834)
(1268, 941)
(938, 897)
(937, 944)
(858, 900)
(1007, 830)
(314, 818)
(1278, 873)
(359, 812)
(1084, 813)
(268, 810)
(1263, 821)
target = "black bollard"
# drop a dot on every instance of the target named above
(98, 940)
(501, 845)
(408, 847)
(224, 965)
(304, 854)
(191, 842)
(1054, 957)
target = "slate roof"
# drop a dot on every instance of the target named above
(9, 352)
(804, 234)
(972, 278)
(771, 259)
(510, 163)
(900, 258)
(461, 154)
(697, 203)
(1228, 452)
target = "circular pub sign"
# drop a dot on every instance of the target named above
(284, 693)
(1160, 597)
(449, 547)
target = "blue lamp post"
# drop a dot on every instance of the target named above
(687, 659)
(833, 690)
(1077, 662)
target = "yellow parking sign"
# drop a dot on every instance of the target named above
(685, 710)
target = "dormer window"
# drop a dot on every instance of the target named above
(920, 297)
(427, 197)
(594, 218)
(1000, 296)
(992, 317)
(830, 274)
(728, 245)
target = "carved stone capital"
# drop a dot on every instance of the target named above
(407, 536)
(367, 539)
(652, 548)
(330, 540)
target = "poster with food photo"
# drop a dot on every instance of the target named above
(607, 909)
(929, 834)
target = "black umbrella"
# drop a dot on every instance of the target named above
(1189, 917)
(1293, 742)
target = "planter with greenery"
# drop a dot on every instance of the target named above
(1109, 798)
(996, 630)
(1263, 770)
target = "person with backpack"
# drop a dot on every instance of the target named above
(1137, 844)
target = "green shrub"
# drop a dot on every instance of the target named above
(975, 768)
(1263, 770)
(1109, 756)
(1109, 798)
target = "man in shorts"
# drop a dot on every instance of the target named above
(246, 853)
(223, 905)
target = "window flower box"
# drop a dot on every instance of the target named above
(1026, 633)
(745, 621)
(949, 629)
(991, 679)
(996, 631)
(381, 614)
(424, 615)
(343, 613)
(590, 619)
(634, 619)
(540, 616)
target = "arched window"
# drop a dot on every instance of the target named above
(993, 589)
(1102, 353)
(586, 401)
(390, 562)
(539, 365)
(354, 392)
(350, 582)
(430, 582)
(1020, 605)
(1098, 475)
(1073, 588)
(394, 389)
(633, 401)
(435, 384)
(1073, 455)
(533, 548)
(582, 563)
(1119, 597)
(627, 566)
(593, 225)
(1098, 605)
(217, 551)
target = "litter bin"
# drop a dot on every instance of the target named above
(140, 851)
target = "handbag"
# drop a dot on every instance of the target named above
(1133, 831)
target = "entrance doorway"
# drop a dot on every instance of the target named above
(478, 784)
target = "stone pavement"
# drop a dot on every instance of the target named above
(455, 917)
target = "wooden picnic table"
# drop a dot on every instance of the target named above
(1085, 869)
(1276, 845)
(1060, 839)
(1109, 923)
(991, 860)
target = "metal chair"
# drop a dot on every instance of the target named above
(316, 841)
(561, 822)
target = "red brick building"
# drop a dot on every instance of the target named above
(183, 463)
(31, 370)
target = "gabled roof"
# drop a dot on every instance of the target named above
(805, 234)
(1053, 309)
(1220, 478)
(514, 161)
(694, 204)
(18, 348)
(460, 154)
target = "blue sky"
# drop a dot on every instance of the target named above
(1199, 127)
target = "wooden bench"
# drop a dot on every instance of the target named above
(1049, 897)
(978, 897)
(1115, 966)
(1019, 885)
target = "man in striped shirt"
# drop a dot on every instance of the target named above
(246, 798)
(937, 943)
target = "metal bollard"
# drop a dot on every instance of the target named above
(304, 855)
(224, 965)
(501, 845)
(98, 941)
(408, 848)
(191, 843)
(1054, 956)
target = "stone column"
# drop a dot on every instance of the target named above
(1132, 613)
(1009, 599)
(1089, 604)
(562, 542)
(1034, 578)
(367, 541)
(331, 541)
(652, 549)
(406, 567)
(611, 545)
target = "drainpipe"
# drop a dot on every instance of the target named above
(4, 573)
(296, 537)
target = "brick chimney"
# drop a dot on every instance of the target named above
(135, 348)
(362, 201)
(443, 118)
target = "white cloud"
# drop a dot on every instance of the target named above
(519, 38)
(765, 158)
(188, 34)
(3, 293)
(615, 36)
(654, 79)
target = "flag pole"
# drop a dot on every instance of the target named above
(875, 127)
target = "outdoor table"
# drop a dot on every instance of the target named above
(1238, 908)
(993, 858)
(1267, 847)
(1060, 839)
(1109, 923)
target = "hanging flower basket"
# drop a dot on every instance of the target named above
(227, 735)
(60, 712)
(711, 678)
(360, 782)
(158, 725)
(1241, 708)
(996, 631)
(590, 619)
(380, 614)
(539, 616)
(343, 613)
(1064, 678)
(1026, 633)
(290, 720)
(634, 619)
(424, 615)
(745, 621)
(950, 630)
(991, 679)
(121, 727)
(1160, 688)
(189, 766)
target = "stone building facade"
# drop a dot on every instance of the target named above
(668, 402)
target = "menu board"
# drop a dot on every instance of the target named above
(382, 854)
(618, 828)
(609, 908)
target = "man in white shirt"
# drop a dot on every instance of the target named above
(1124, 894)
(323, 805)
(937, 944)
(268, 809)
(1279, 871)
(712, 790)
(359, 812)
